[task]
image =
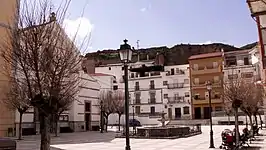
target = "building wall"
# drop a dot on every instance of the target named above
(8, 11)
(209, 69)
(75, 116)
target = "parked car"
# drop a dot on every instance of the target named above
(134, 123)
(7, 144)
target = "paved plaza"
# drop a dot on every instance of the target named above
(98, 141)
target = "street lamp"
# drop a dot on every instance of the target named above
(125, 53)
(101, 116)
(209, 88)
(134, 129)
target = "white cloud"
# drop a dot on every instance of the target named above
(143, 9)
(81, 27)
(146, 8)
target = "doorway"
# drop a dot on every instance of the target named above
(177, 113)
(197, 111)
(87, 116)
(88, 121)
(170, 113)
(206, 113)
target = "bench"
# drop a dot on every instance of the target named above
(229, 122)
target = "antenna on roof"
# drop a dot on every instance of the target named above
(137, 44)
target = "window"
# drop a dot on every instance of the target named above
(172, 71)
(136, 86)
(152, 86)
(110, 68)
(232, 76)
(132, 75)
(231, 61)
(196, 96)
(177, 70)
(186, 81)
(186, 94)
(152, 98)
(218, 108)
(63, 118)
(196, 80)
(123, 68)
(216, 79)
(195, 66)
(165, 83)
(215, 64)
(247, 75)
(137, 109)
(165, 95)
(186, 110)
(137, 98)
(88, 107)
(152, 109)
(115, 87)
(246, 61)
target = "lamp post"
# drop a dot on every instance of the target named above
(125, 53)
(134, 128)
(101, 116)
(209, 88)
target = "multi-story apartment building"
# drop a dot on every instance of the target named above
(8, 14)
(206, 68)
(154, 92)
(258, 12)
(242, 64)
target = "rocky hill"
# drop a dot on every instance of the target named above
(175, 55)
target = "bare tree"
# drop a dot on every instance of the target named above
(17, 98)
(41, 57)
(235, 92)
(119, 101)
(108, 105)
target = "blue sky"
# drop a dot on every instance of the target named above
(162, 22)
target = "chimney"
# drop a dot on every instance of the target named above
(52, 17)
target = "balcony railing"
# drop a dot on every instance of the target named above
(179, 99)
(152, 101)
(175, 85)
(180, 72)
(206, 69)
(152, 86)
(203, 84)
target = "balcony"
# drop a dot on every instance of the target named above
(202, 85)
(175, 85)
(206, 69)
(152, 101)
(203, 100)
(180, 72)
(179, 99)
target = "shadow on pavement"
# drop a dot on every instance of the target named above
(83, 137)
(252, 148)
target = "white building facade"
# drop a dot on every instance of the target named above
(83, 115)
(242, 64)
(154, 93)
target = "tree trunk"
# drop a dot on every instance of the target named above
(236, 126)
(251, 124)
(20, 126)
(106, 123)
(119, 121)
(45, 132)
(56, 128)
(256, 119)
(260, 121)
